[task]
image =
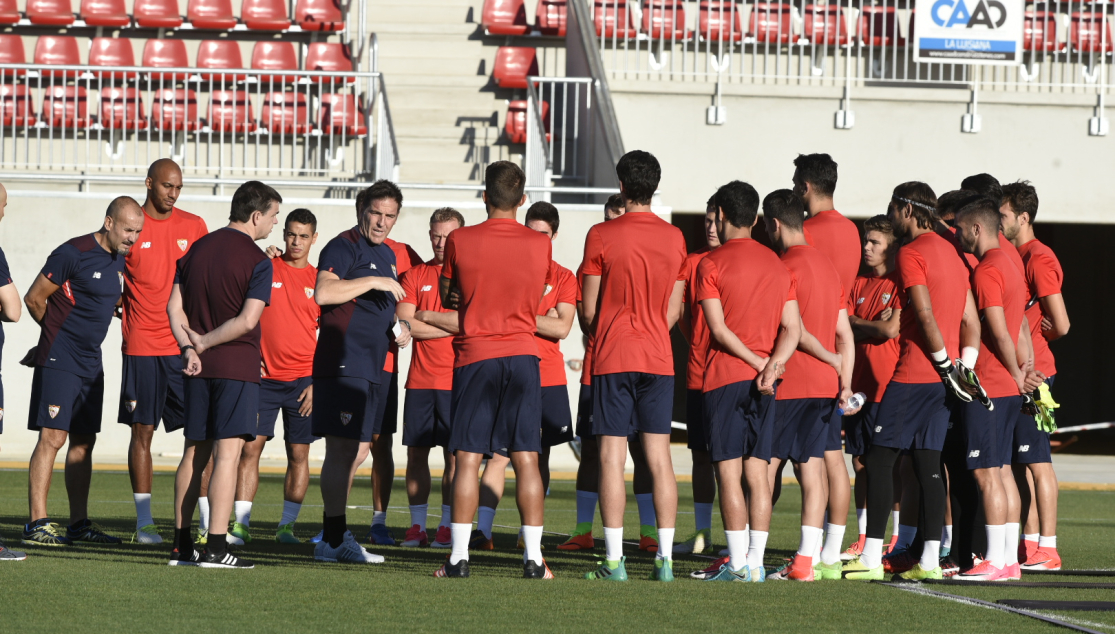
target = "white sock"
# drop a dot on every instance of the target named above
(646, 509)
(872, 556)
(861, 520)
(485, 517)
(613, 543)
(946, 536)
(1048, 542)
(418, 513)
(586, 506)
(1011, 543)
(894, 523)
(461, 533)
(143, 509)
(290, 512)
(996, 545)
(243, 512)
(906, 535)
(702, 515)
(203, 510)
(931, 555)
(532, 539)
(666, 543)
(756, 548)
(446, 516)
(737, 549)
(379, 518)
(810, 537)
(1032, 538)
(834, 538)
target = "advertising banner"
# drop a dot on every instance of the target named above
(969, 31)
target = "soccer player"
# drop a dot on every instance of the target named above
(1001, 299)
(634, 286)
(429, 387)
(751, 310)
(495, 274)
(151, 382)
(875, 321)
(67, 390)
(826, 229)
(10, 311)
(357, 289)
(1048, 319)
(289, 336)
(940, 316)
(814, 385)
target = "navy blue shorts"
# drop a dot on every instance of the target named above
(833, 441)
(627, 402)
(801, 428)
(221, 408)
(283, 395)
(387, 404)
(859, 428)
(66, 401)
(152, 389)
(426, 418)
(497, 406)
(740, 422)
(1031, 445)
(345, 407)
(988, 435)
(912, 416)
(557, 420)
(584, 411)
(696, 424)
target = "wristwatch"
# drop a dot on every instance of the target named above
(403, 321)
(183, 349)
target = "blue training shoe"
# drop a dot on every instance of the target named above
(758, 575)
(727, 574)
(380, 536)
(316, 539)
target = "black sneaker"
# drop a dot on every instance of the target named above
(86, 532)
(532, 570)
(192, 558)
(225, 560)
(457, 571)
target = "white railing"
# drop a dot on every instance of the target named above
(558, 119)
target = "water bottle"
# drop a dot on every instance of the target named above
(854, 403)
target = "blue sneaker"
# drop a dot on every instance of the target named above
(758, 575)
(727, 574)
(86, 532)
(380, 536)
(45, 533)
(316, 539)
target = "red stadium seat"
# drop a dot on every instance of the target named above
(275, 56)
(66, 107)
(771, 23)
(9, 12)
(516, 125)
(60, 50)
(220, 54)
(513, 65)
(319, 15)
(720, 20)
(608, 14)
(1039, 31)
(11, 52)
(285, 113)
(122, 109)
(504, 17)
(1085, 32)
(15, 106)
(265, 15)
(664, 19)
(550, 17)
(174, 109)
(824, 25)
(340, 114)
(878, 26)
(230, 111)
(50, 12)
(211, 14)
(332, 57)
(108, 51)
(105, 13)
(166, 54)
(157, 14)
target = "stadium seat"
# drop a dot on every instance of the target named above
(15, 106)
(771, 23)
(65, 107)
(108, 51)
(340, 114)
(11, 52)
(58, 50)
(720, 20)
(105, 13)
(1039, 31)
(230, 111)
(516, 125)
(211, 14)
(50, 12)
(664, 19)
(550, 17)
(174, 109)
(157, 14)
(878, 26)
(504, 17)
(606, 14)
(165, 54)
(275, 56)
(9, 12)
(265, 15)
(220, 54)
(122, 109)
(824, 25)
(319, 15)
(285, 113)
(331, 57)
(513, 65)
(1085, 32)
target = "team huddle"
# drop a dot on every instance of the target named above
(920, 349)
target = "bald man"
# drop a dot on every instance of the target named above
(67, 390)
(10, 309)
(151, 388)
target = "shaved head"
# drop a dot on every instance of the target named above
(124, 220)
(158, 166)
(123, 206)
(164, 185)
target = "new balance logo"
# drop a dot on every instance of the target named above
(860, 301)
(426, 288)
(97, 275)
(276, 284)
(145, 245)
(1023, 448)
(973, 453)
(373, 265)
(878, 428)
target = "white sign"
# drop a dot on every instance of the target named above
(969, 31)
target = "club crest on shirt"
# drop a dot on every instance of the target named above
(394, 271)
(309, 292)
(53, 410)
(886, 297)
(346, 418)
(131, 405)
(548, 289)
(120, 276)
(183, 243)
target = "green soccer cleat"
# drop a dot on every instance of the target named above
(856, 571)
(663, 569)
(239, 535)
(727, 574)
(285, 535)
(648, 538)
(609, 571)
(699, 543)
(827, 572)
(202, 538)
(917, 573)
(147, 535)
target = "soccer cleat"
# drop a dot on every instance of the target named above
(202, 537)
(899, 561)
(1043, 559)
(177, 559)
(1026, 549)
(1012, 572)
(969, 381)
(89, 533)
(983, 571)
(522, 545)
(581, 541)
(316, 539)
(948, 566)
(713, 568)
(285, 535)
(725, 573)
(348, 552)
(857, 571)
(477, 541)
(609, 571)
(532, 570)
(828, 572)
(648, 538)
(663, 569)
(238, 535)
(780, 573)
(699, 543)
(800, 569)
(444, 538)
(7, 554)
(147, 535)
(226, 560)
(917, 573)
(416, 537)
(855, 550)
(453, 571)
(380, 536)
(950, 376)
(758, 575)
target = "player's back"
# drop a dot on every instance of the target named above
(997, 282)
(838, 238)
(820, 298)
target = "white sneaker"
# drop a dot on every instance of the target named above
(350, 551)
(147, 535)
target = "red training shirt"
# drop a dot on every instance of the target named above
(820, 300)
(997, 283)
(1043, 278)
(875, 358)
(971, 261)
(698, 327)
(838, 238)
(431, 360)
(586, 363)
(562, 289)
(405, 258)
(289, 323)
